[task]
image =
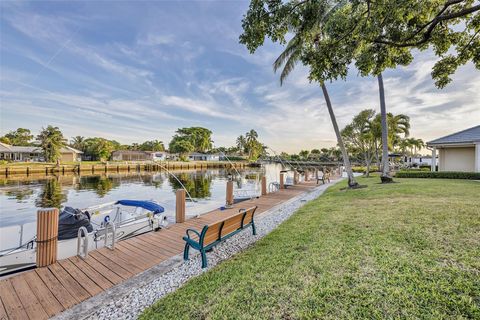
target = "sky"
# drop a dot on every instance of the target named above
(136, 71)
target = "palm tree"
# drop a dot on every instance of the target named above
(288, 58)
(78, 143)
(385, 177)
(241, 144)
(51, 140)
(251, 141)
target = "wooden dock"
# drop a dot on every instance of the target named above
(44, 292)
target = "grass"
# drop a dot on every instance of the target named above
(405, 250)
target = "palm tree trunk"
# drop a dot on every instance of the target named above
(383, 111)
(346, 161)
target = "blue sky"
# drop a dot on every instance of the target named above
(135, 71)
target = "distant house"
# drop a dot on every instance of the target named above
(418, 161)
(197, 156)
(34, 154)
(138, 155)
(459, 151)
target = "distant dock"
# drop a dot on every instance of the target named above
(97, 168)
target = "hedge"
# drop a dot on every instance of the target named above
(439, 175)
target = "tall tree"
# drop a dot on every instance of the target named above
(78, 143)
(152, 145)
(200, 138)
(241, 144)
(306, 20)
(51, 141)
(19, 137)
(359, 138)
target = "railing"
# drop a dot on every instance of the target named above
(82, 243)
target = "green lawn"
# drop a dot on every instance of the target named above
(404, 250)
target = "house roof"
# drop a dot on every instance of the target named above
(32, 149)
(467, 136)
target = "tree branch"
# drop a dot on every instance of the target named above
(431, 26)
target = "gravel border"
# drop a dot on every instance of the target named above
(128, 299)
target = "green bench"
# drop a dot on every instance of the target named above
(213, 234)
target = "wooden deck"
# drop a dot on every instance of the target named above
(44, 292)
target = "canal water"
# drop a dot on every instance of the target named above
(20, 197)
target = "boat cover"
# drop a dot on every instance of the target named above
(149, 205)
(70, 220)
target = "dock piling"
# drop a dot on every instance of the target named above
(229, 197)
(264, 186)
(180, 206)
(47, 236)
(282, 181)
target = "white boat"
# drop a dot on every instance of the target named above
(128, 218)
(248, 189)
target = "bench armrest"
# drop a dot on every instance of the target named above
(194, 231)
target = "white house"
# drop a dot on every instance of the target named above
(459, 151)
(197, 156)
(419, 161)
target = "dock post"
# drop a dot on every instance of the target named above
(180, 206)
(295, 177)
(229, 197)
(282, 181)
(305, 173)
(264, 186)
(47, 236)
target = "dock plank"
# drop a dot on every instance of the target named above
(112, 265)
(83, 280)
(3, 312)
(60, 293)
(11, 302)
(31, 304)
(69, 283)
(96, 276)
(49, 303)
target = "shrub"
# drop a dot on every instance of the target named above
(363, 169)
(439, 175)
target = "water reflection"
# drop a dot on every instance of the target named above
(197, 185)
(52, 195)
(21, 196)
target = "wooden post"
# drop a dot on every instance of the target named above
(229, 197)
(28, 171)
(282, 181)
(306, 175)
(47, 236)
(180, 206)
(264, 186)
(295, 177)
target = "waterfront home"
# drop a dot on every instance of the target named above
(197, 156)
(34, 153)
(419, 161)
(458, 151)
(139, 155)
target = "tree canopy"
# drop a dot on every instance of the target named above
(375, 35)
(19, 137)
(199, 139)
(51, 141)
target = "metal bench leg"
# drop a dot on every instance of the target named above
(204, 258)
(185, 251)
(254, 230)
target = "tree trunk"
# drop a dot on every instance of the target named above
(367, 161)
(383, 111)
(346, 161)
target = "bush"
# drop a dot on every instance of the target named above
(439, 175)
(363, 169)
